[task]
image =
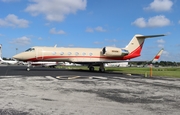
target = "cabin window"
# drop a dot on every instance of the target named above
(69, 53)
(83, 53)
(61, 53)
(90, 54)
(53, 53)
(76, 53)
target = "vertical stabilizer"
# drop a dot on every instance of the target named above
(135, 45)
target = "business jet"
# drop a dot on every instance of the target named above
(9, 62)
(86, 56)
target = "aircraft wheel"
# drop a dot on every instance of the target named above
(102, 69)
(28, 69)
(91, 68)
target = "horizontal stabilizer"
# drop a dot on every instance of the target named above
(150, 36)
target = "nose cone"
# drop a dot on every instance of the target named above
(18, 57)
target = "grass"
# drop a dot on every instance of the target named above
(159, 71)
(163, 72)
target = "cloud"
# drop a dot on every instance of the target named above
(54, 31)
(96, 42)
(40, 38)
(1, 35)
(111, 40)
(160, 46)
(140, 22)
(12, 20)
(55, 10)
(160, 5)
(161, 41)
(22, 41)
(90, 30)
(179, 22)
(98, 29)
(156, 21)
(165, 53)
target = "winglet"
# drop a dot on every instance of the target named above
(155, 59)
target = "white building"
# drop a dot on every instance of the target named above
(120, 64)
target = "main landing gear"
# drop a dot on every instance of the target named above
(101, 67)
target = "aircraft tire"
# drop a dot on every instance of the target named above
(102, 69)
(28, 69)
(91, 69)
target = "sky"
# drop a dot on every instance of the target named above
(90, 24)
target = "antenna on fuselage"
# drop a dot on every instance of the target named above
(55, 45)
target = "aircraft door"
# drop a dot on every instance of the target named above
(39, 54)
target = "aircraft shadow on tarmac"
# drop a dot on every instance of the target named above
(42, 71)
(65, 72)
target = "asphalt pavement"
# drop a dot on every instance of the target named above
(50, 91)
(44, 71)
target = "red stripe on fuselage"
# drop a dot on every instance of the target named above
(135, 53)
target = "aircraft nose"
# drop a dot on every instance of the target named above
(18, 57)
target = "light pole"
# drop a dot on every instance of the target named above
(16, 50)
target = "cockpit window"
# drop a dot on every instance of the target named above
(30, 49)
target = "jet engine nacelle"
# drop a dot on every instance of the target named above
(113, 51)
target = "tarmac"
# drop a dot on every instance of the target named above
(50, 91)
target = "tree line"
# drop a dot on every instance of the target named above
(161, 63)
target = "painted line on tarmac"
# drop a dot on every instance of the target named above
(50, 77)
(74, 77)
(97, 77)
(58, 77)
(79, 77)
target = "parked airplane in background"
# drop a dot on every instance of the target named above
(44, 64)
(86, 56)
(9, 62)
(70, 64)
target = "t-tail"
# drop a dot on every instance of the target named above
(135, 45)
(156, 58)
